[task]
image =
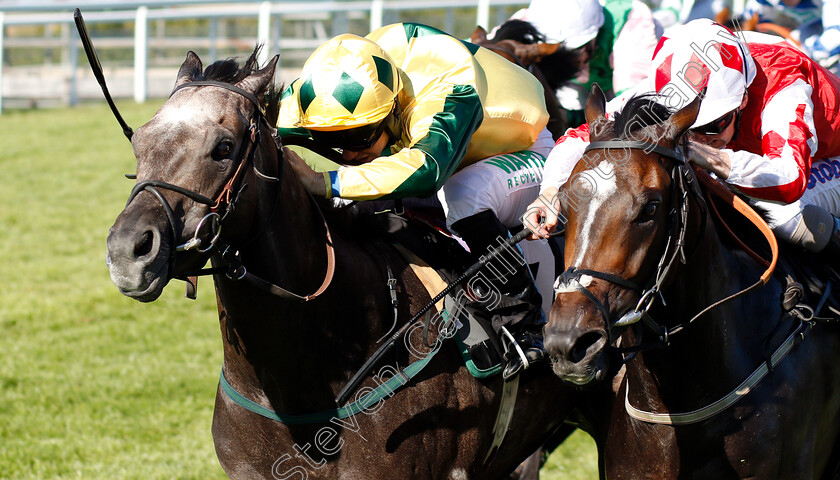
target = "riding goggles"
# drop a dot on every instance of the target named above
(358, 138)
(715, 127)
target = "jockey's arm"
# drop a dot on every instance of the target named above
(437, 144)
(788, 141)
(544, 214)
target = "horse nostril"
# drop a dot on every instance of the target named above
(144, 246)
(582, 346)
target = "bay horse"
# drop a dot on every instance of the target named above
(741, 388)
(213, 183)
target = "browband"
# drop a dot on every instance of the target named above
(250, 96)
(646, 146)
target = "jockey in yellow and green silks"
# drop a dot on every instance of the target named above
(447, 104)
(417, 112)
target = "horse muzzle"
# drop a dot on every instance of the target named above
(578, 357)
(138, 260)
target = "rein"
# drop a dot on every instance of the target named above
(226, 201)
(640, 313)
(704, 413)
(682, 185)
(366, 400)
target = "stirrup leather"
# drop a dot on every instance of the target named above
(508, 338)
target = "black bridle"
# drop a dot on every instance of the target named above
(225, 202)
(226, 199)
(683, 184)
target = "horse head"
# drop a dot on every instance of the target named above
(618, 205)
(194, 158)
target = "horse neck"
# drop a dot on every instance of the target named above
(289, 232)
(719, 349)
(268, 339)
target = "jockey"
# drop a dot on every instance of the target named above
(615, 42)
(766, 126)
(416, 112)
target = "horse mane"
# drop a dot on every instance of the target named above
(643, 116)
(230, 71)
(519, 30)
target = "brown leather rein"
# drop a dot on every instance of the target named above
(226, 200)
(683, 178)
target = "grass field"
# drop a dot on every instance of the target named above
(94, 385)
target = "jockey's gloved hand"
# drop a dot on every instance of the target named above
(710, 159)
(312, 181)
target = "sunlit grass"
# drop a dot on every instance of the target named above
(92, 384)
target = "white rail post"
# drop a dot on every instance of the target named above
(376, 14)
(73, 61)
(483, 15)
(141, 53)
(264, 32)
(214, 39)
(2, 36)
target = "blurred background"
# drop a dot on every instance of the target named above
(141, 42)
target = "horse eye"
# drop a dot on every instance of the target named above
(648, 211)
(222, 150)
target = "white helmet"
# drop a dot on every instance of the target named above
(572, 22)
(702, 54)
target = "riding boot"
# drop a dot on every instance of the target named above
(518, 305)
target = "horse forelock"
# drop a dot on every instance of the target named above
(231, 71)
(644, 118)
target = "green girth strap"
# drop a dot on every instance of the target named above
(373, 397)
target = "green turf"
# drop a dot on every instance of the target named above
(94, 385)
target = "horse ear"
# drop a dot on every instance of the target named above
(257, 82)
(686, 116)
(190, 69)
(595, 108)
(479, 35)
(596, 103)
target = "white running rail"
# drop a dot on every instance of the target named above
(271, 16)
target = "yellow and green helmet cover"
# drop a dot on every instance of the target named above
(348, 82)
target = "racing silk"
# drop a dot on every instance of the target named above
(623, 49)
(790, 119)
(459, 103)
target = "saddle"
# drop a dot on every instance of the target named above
(438, 258)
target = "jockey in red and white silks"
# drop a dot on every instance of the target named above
(784, 107)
